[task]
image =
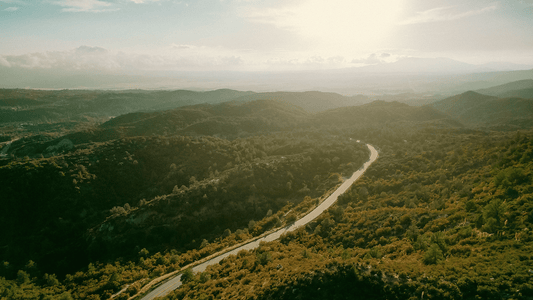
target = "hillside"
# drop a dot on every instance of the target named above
(432, 216)
(521, 89)
(524, 93)
(310, 101)
(474, 109)
(232, 120)
(378, 113)
(55, 113)
(450, 221)
(20, 105)
(107, 209)
(457, 105)
(169, 159)
(508, 113)
(228, 120)
(223, 119)
(17, 105)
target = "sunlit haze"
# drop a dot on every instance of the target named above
(137, 37)
(266, 149)
(337, 27)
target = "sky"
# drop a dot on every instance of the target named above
(257, 35)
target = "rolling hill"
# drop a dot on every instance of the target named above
(104, 210)
(310, 101)
(45, 106)
(458, 104)
(228, 120)
(520, 88)
(478, 110)
(380, 113)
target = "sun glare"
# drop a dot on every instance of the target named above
(345, 25)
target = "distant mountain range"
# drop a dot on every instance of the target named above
(240, 119)
(438, 65)
(20, 105)
(224, 110)
(407, 75)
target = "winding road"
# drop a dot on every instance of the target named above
(175, 282)
(3, 152)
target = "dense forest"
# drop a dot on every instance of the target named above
(98, 211)
(430, 218)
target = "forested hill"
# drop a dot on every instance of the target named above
(227, 119)
(478, 110)
(19, 105)
(237, 118)
(521, 89)
(445, 212)
(310, 101)
(456, 105)
(158, 193)
(380, 112)
(163, 180)
(233, 120)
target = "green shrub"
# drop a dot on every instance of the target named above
(433, 255)
(187, 275)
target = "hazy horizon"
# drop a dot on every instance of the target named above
(238, 43)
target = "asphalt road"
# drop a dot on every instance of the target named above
(175, 282)
(3, 152)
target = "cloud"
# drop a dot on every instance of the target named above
(177, 57)
(372, 59)
(143, 1)
(13, 8)
(445, 14)
(83, 5)
(335, 27)
(96, 58)
(181, 47)
(13, 1)
(80, 58)
(281, 17)
(230, 60)
(314, 62)
(90, 50)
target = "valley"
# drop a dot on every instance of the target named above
(175, 282)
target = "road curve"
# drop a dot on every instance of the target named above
(175, 282)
